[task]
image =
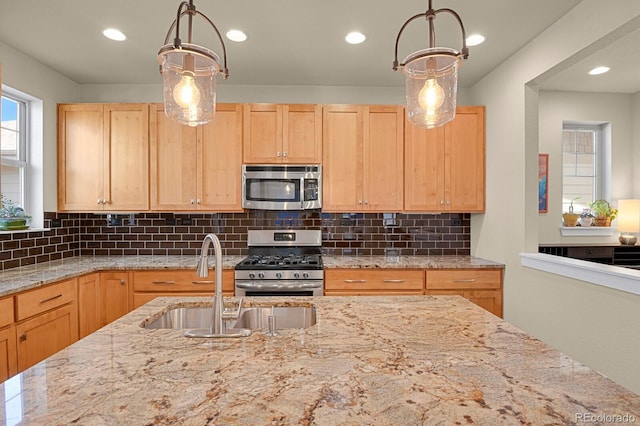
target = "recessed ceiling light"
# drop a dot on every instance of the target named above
(236, 35)
(113, 34)
(474, 39)
(598, 70)
(355, 37)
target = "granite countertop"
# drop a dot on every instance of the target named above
(32, 276)
(368, 360)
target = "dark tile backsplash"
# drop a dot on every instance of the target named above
(74, 234)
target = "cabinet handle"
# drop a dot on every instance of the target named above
(163, 282)
(99, 201)
(441, 202)
(359, 201)
(448, 202)
(198, 201)
(193, 201)
(470, 280)
(23, 337)
(285, 154)
(355, 281)
(122, 282)
(366, 202)
(278, 154)
(394, 281)
(51, 298)
(202, 282)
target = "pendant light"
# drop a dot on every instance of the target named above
(189, 72)
(431, 75)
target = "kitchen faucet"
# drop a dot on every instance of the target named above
(218, 326)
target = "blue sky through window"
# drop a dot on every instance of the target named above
(9, 109)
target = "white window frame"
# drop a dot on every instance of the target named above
(602, 178)
(23, 148)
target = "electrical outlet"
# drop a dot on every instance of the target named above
(114, 220)
(456, 222)
(185, 221)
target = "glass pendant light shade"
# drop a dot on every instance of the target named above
(431, 78)
(189, 72)
(189, 84)
(431, 75)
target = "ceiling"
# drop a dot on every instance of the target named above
(290, 42)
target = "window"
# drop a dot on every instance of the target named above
(585, 152)
(14, 166)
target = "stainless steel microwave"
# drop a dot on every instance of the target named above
(281, 187)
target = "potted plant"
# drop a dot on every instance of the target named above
(586, 219)
(571, 218)
(12, 217)
(602, 213)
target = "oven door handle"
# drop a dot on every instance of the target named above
(300, 286)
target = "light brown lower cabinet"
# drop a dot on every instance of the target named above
(8, 354)
(147, 285)
(102, 298)
(379, 282)
(47, 322)
(481, 286)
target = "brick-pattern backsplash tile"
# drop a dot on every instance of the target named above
(181, 234)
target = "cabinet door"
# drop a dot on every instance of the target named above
(81, 157)
(88, 304)
(114, 296)
(126, 157)
(342, 163)
(46, 334)
(465, 161)
(262, 133)
(424, 168)
(172, 163)
(8, 354)
(220, 161)
(383, 154)
(302, 134)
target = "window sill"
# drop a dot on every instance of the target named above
(22, 231)
(610, 276)
(586, 231)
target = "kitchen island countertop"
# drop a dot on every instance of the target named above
(32, 276)
(368, 360)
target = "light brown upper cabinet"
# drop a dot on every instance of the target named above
(445, 166)
(362, 158)
(103, 157)
(282, 134)
(197, 168)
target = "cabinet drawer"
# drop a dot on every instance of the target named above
(180, 280)
(6, 311)
(464, 279)
(590, 253)
(382, 280)
(33, 302)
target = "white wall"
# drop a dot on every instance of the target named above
(556, 107)
(595, 325)
(22, 73)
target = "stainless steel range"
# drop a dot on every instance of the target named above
(281, 263)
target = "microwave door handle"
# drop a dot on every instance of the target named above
(302, 193)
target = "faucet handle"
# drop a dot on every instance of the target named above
(233, 314)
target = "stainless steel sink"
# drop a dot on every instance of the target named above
(251, 318)
(286, 317)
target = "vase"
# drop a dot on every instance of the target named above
(585, 221)
(13, 223)
(602, 221)
(570, 219)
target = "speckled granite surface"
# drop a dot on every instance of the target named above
(368, 361)
(27, 277)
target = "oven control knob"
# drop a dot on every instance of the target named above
(278, 275)
(252, 275)
(305, 275)
(260, 275)
(296, 275)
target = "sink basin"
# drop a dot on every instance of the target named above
(250, 318)
(286, 317)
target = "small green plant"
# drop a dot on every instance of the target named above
(601, 209)
(571, 205)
